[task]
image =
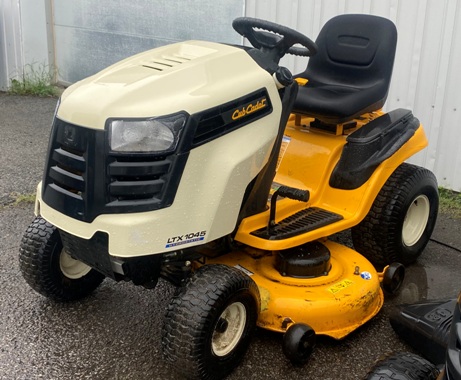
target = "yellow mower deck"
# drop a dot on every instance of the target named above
(332, 305)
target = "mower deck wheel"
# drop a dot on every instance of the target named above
(298, 343)
(393, 278)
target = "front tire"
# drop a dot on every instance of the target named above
(49, 269)
(401, 219)
(404, 366)
(209, 322)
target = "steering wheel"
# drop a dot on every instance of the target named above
(273, 36)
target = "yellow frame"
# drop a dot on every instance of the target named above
(307, 163)
(350, 294)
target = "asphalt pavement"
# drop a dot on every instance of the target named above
(115, 333)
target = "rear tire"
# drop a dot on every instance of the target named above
(403, 366)
(49, 269)
(401, 219)
(209, 322)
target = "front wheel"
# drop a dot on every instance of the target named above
(401, 219)
(209, 322)
(49, 269)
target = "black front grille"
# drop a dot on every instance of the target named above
(68, 172)
(83, 179)
(137, 180)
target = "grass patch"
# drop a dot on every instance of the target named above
(16, 199)
(450, 202)
(36, 80)
(24, 199)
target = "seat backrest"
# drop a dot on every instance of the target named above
(355, 50)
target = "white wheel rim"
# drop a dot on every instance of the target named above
(235, 316)
(416, 220)
(72, 268)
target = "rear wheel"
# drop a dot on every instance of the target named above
(403, 366)
(401, 219)
(49, 269)
(209, 322)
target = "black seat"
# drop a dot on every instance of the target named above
(350, 75)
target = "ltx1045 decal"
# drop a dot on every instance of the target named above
(192, 237)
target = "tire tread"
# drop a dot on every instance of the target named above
(36, 259)
(403, 366)
(195, 304)
(376, 235)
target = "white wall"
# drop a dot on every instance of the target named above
(24, 38)
(90, 35)
(35, 33)
(426, 74)
(10, 41)
(81, 37)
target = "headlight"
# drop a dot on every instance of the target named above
(157, 135)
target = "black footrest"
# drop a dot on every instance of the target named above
(303, 221)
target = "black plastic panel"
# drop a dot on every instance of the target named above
(425, 326)
(218, 121)
(309, 260)
(453, 365)
(93, 252)
(370, 145)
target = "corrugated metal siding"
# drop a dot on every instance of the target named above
(10, 42)
(91, 35)
(25, 40)
(426, 74)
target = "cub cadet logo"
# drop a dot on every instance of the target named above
(249, 109)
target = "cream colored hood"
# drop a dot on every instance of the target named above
(188, 76)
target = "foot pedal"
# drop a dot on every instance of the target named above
(301, 222)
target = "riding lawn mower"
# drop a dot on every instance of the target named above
(213, 167)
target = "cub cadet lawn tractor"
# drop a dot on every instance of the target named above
(212, 167)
